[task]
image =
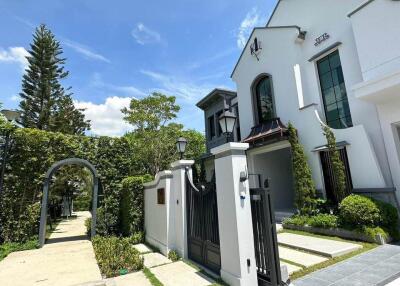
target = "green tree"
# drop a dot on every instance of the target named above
(154, 137)
(339, 174)
(46, 104)
(303, 182)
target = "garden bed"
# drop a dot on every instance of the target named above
(340, 232)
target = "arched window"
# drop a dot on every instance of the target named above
(264, 100)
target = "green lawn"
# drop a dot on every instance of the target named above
(365, 247)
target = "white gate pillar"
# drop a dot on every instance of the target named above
(178, 189)
(238, 265)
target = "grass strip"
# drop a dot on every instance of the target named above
(365, 247)
(151, 277)
(293, 263)
(9, 247)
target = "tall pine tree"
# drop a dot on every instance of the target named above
(46, 104)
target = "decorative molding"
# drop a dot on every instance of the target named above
(160, 176)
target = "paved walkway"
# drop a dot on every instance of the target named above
(66, 259)
(377, 267)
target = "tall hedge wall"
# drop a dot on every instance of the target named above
(132, 204)
(32, 153)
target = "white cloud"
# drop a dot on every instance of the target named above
(106, 118)
(144, 35)
(15, 55)
(181, 88)
(85, 51)
(15, 98)
(126, 90)
(251, 20)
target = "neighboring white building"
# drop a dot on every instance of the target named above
(321, 61)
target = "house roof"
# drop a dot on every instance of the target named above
(363, 5)
(251, 35)
(273, 12)
(266, 132)
(213, 95)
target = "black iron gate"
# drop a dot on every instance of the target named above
(265, 238)
(202, 225)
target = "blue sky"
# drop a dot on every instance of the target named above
(117, 50)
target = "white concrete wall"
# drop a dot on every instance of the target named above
(158, 221)
(279, 56)
(376, 31)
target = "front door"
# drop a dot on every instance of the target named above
(202, 224)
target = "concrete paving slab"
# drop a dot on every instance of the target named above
(142, 248)
(63, 263)
(290, 267)
(180, 274)
(324, 247)
(155, 259)
(300, 257)
(132, 279)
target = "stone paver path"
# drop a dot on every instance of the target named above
(155, 259)
(132, 279)
(324, 247)
(61, 262)
(299, 257)
(142, 248)
(180, 274)
(373, 268)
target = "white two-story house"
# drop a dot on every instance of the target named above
(334, 62)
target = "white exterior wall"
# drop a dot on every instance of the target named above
(376, 32)
(159, 226)
(279, 56)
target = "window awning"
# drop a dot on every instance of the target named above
(267, 132)
(339, 145)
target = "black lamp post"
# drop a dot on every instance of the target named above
(227, 121)
(11, 116)
(181, 146)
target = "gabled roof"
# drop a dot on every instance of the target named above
(360, 8)
(273, 12)
(261, 28)
(213, 95)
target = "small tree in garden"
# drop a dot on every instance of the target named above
(303, 182)
(339, 174)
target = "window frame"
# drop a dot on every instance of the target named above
(317, 62)
(211, 126)
(255, 99)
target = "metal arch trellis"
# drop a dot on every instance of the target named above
(46, 185)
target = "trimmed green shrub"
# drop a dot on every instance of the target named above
(173, 255)
(323, 221)
(338, 169)
(116, 255)
(320, 220)
(372, 232)
(358, 210)
(389, 216)
(136, 238)
(303, 182)
(132, 204)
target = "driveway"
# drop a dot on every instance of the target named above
(66, 259)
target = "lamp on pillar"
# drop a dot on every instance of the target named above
(227, 122)
(181, 146)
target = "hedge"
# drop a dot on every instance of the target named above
(31, 154)
(132, 204)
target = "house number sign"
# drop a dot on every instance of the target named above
(321, 39)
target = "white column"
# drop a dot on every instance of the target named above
(178, 191)
(238, 265)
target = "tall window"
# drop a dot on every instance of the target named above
(264, 100)
(334, 96)
(211, 127)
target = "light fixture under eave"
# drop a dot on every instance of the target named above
(301, 37)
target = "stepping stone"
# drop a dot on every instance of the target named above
(324, 247)
(132, 279)
(180, 274)
(142, 248)
(290, 267)
(155, 259)
(279, 227)
(299, 257)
